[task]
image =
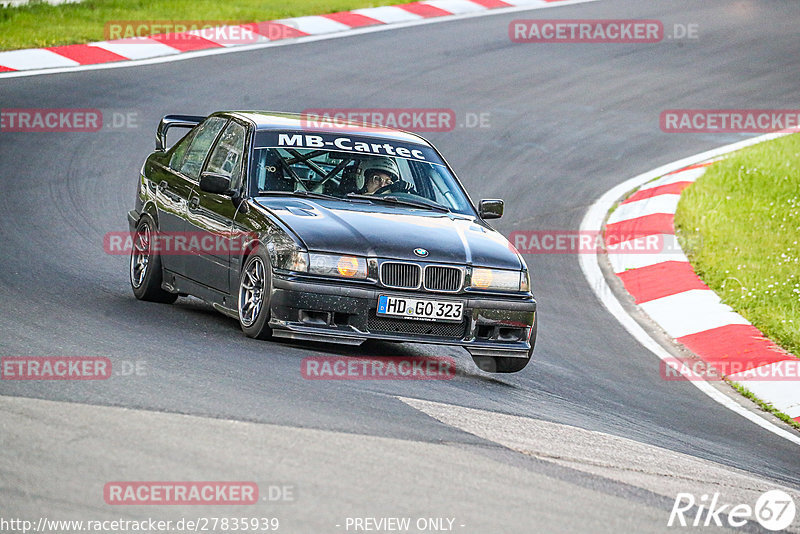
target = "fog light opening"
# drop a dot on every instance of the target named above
(510, 333)
(320, 318)
(484, 331)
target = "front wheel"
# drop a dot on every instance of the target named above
(145, 265)
(255, 288)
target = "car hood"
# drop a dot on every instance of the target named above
(392, 232)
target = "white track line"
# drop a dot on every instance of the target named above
(455, 6)
(686, 176)
(314, 24)
(387, 14)
(690, 312)
(665, 203)
(593, 221)
(138, 48)
(44, 59)
(623, 260)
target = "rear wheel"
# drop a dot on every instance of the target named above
(145, 265)
(255, 288)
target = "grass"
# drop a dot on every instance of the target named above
(37, 24)
(741, 224)
(765, 406)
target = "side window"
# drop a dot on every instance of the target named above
(198, 149)
(226, 158)
(180, 150)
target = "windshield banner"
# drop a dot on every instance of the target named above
(346, 143)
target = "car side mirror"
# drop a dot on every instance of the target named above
(218, 184)
(490, 208)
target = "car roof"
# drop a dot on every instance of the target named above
(275, 120)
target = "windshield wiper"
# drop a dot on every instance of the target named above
(306, 194)
(405, 202)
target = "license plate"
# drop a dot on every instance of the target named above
(422, 309)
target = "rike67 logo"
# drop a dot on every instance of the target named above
(774, 510)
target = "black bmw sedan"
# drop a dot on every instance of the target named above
(327, 232)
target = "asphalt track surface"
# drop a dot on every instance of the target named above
(567, 123)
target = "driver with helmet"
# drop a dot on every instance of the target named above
(379, 173)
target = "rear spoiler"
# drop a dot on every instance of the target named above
(179, 121)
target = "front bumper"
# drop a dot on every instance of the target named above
(317, 311)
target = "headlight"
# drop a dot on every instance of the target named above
(499, 280)
(292, 260)
(340, 266)
(525, 282)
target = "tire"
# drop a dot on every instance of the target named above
(253, 295)
(504, 364)
(144, 269)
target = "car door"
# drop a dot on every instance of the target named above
(176, 182)
(171, 192)
(210, 216)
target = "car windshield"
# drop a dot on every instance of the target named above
(388, 180)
